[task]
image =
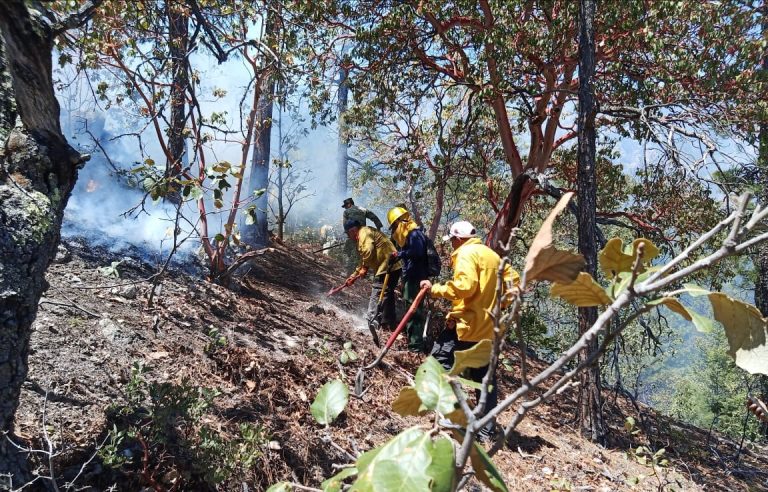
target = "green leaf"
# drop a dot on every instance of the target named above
(701, 323)
(280, 487)
(433, 387)
(673, 305)
(694, 290)
(477, 356)
(408, 402)
(442, 470)
(582, 292)
(398, 475)
(625, 277)
(746, 330)
(344, 358)
(472, 384)
(365, 459)
(485, 470)
(330, 402)
(400, 464)
(334, 484)
(221, 167)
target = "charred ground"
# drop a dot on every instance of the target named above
(216, 384)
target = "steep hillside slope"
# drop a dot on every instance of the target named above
(210, 385)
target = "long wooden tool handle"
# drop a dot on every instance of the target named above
(407, 317)
(384, 286)
(336, 289)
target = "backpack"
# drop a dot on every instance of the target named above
(434, 263)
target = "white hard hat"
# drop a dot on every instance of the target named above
(462, 230)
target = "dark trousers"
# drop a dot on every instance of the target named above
(388, 314)
(445, 345)
(351, 256)
(415, 326)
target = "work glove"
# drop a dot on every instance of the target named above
(393, 258)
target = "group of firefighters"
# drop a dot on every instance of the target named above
(471, 289)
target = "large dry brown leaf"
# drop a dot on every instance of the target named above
(408, 402)
(582, 292)
(614, 258)
(544, 261)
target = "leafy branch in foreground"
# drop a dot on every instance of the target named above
(636, 281)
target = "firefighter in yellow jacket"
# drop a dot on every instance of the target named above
(472, 292)
(375, 250)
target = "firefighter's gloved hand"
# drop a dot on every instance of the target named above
(393, 258)
(350, 281)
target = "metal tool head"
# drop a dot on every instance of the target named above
(372, 327)
(359, 381)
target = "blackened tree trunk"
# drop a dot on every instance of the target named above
(590, 408)
(178, 41)
(342, 152)
(257, 234)
(38, 170)
(280, 179)
(761, 286)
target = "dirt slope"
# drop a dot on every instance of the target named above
(267, 349)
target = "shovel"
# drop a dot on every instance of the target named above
(360, 377)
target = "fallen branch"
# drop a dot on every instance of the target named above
(71, 304)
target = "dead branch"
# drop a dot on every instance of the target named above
(70, 304)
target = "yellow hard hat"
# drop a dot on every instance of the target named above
(396, 214)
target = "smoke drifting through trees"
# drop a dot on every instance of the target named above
(107, 190)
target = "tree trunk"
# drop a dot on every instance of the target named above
(342, 153)
(590, 408)
(38, 170)
(257, 234)
(280, 183)
(522, 189)
(761, 260)
(178, 40)
(439, 204)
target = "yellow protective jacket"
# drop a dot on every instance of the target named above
(375, 249)
(472, 290)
